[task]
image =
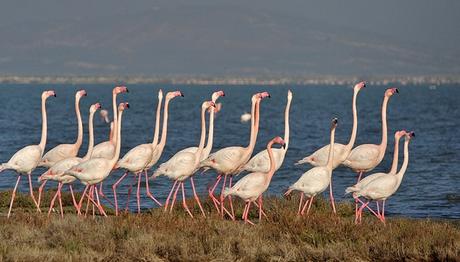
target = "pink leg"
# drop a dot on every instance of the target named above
(99, 206)
(222, 203)
(184, 203)
(196, 196)
(74, 201)
(309, 204)
(300, 203)
(81, 199)
(360, 176)
(356, 202)
(230, 200)
(40, 189)
(56, 195)
(331, 196)
(383, 211)
(148, 189)
(13, 195)
(101, 193)
(305, 206)
(88, 196)
(32, 193)
(378, 209)
(211, 193)
(260, 208)
(174, 197)
(244, 211)
(169, 196)
(246, 220)
(114, 188)
(138, 193)
(60, 200)
(130, 189)
(263, 213)
(366, 205)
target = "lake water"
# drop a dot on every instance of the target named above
(430, 187)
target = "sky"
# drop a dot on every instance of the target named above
(229, 37)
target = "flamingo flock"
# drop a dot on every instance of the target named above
(65, 167)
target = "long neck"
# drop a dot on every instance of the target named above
(118, 139)
(111, 131)
(383, 144)
(80, 124)
(394, 165)
(115, 117)
(354, 129)
(286, 124)
(331, 149)
(203, 135)
(254, 126)
(157, 123)
(164, 130)
(91, 137)
(403, 169)
(208, 147)
(44, 126)
(271, 171)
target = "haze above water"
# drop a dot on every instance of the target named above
(429, 189)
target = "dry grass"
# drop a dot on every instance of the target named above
(155, 235)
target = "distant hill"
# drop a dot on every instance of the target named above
(211, 39)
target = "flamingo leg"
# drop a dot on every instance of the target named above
(378, 209)
(99, 206)
(56, 195)
(13, 196)
(222, 203)
(331, 196)
(74, 201)
(305, 206)
(246, 220)
(101, 193)
(383, 211)
(263, 213)
(300, 203)
(196, 196)
(60, 199)
(169, 196)
(130, 189)
(138, 193)
(230, 199)
(88, 196)
(260, 208)
(184, 203)
(366, 205)
(81, 199)
(309, 204)
(244, 211)
(356, 202)
(174, 198)
(211, 193)
(40, 189)
(32, 193)
(149, 194)
(114, 188)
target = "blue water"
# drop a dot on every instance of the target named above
(430, 187)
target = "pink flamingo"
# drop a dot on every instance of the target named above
(57, 171)
(251, 187)
(95, 170)
(261, 161)
(381, 188)
(64, 151)
(317, 179)
(184, 164)
(230, 160)
(139, 157)
(27, 159)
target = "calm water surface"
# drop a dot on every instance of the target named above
(430, 187)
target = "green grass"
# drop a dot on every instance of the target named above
(155, 235)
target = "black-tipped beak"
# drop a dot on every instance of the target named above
(54, 95)
(284, 146)
(182, 95)
(412, 134)
(269, 96)
(127, 105)
(335, 120)
(397, 91)
(127, 91)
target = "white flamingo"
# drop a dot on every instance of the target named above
(136, 160)
(381, 188)
(341, 151)
(261, 161)
(57, 171)
(317, 179)
(366, 157)
(64, 151)
(230, 160)
(27, 159)
(95, 170)
(252, 186)
(184, 164)
(394, 166)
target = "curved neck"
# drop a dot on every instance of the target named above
(354, 129)
(115, 117)
(286, 124)
(383, 144)
(406, 160)
(208, 147)
(80, 124)
(331, 149)
(164, 130)
(255, 126)
(91, 136)
(157, 123)
(271, 171)
(118, 139)
(203, 135)
(44, 126)
(394, 165)
(111, 131)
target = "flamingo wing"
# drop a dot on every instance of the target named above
(26, 159)
(137, 158)
(60, 152)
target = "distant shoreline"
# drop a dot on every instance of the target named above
(234, 80)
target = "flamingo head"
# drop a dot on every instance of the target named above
(264, 95)
(81, 93)
(400, 134)
(160, 94)
(171, 95)
(123, 106)
(94, 107)
(391, 91)
(120, 89)
(217, 94)
(289, 97)
(208, 104)
(359, 86)
(48, 93)
(334, 122)
(410, 135)
(279, 140)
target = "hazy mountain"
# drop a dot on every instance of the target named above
(209, 39)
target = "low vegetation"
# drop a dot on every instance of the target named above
(157, 236)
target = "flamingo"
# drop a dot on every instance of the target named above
(64, 151)
(107, 149)
(383, 187)
(230, 160)
(57, 171)
(138, 158)
(366, 157)
(341, 151)
(184, 164)
(251, 187)
(104, 115)
(317, 179)
(261, 161)
(393, 169)
(95, 170)
(27, 159)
